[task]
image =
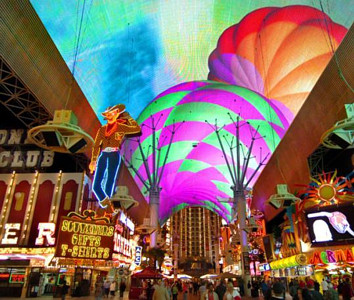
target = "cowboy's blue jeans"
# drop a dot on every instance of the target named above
(106, 174)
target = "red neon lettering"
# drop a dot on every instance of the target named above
(349, 255)
(340, 256)
(316, 259)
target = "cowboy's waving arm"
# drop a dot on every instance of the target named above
(131, 126)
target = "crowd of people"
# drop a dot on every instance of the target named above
(108, 288)
(271, 289)
(307, 289)
(205, 290)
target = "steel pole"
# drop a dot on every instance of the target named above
(154, 197)
(175, 261)
(240, 199)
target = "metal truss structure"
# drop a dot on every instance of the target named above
(153, 174)
(237, 169)
(19, 100)
(316, 160)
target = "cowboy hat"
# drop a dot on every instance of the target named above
(119, 107)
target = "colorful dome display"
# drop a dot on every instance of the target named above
(277, 52)
(195, 172)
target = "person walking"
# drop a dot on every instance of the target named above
(231, 294)
(277, 291)
(169, 290)
(293, 288)
(99, 289)
(195, 287)
(122, 288)
(185, 290)
(190, 287)
(221, 289)
(64, 290)
(174, 291)
(160, 292)
(106, 286)
(347, 290)
(202, 290)
(324, 285)
(316, 295)
(331, 293)
(112, 288)
(210, 294)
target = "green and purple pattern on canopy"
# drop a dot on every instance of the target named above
(196, 173)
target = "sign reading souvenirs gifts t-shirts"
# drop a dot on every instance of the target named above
(330, 225)
(28, 156)
(85, 237)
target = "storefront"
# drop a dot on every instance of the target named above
(22, 270)
(12, 277)
(295, 266)
(335, 263)
(32, 205)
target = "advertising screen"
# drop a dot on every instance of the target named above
(331, 225)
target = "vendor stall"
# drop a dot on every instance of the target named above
(140, 282)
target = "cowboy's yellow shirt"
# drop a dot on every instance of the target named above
(114, 139)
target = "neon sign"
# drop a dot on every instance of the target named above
(126, 221)
(329, 256)
(10, 235)
(17, 278)
(9, 138)
(4, 277)
(106, 156)
(138, 251)
(45, 233)
(83, 239)
(122, 245)
(264, 267)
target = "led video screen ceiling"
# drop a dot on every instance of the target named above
(188, 62)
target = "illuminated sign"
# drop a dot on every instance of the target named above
(138, 251)
(264, 267)
(9, 139)
(330, 256)
(122, 245)
(17, 278)
(45, 234)
(4, 277)
(10, 235)
(46, 231)
(84, 239)
(289, 262)
(331, 225)
(126, 221)
(106, 157)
